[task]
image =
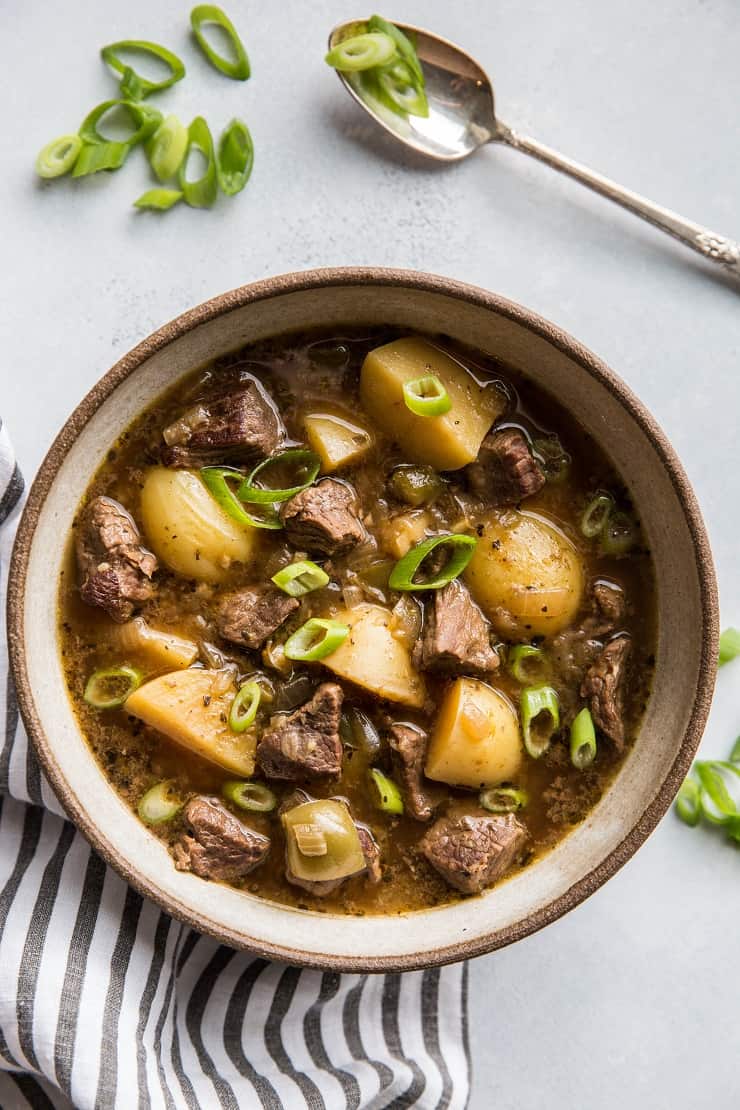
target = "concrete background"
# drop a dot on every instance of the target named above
(632, 1000)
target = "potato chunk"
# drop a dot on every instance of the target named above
(445, 442)
(526, 575)
(187, 707)
(336, 440)
(188, 530)
(476, 740)
(373, 658)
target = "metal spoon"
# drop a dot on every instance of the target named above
(462, 118)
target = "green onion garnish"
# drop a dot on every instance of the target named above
(620, 534)
(503, 799)
(582, 740)
(300, 578)
(403, 44)
(362, 52)
(236, 67)
(244, 707)
(253, 796)
(133, 85)
(109, 688)
(159, 804)
(167, 147)
(713, 776)
(402, 575)
(729, 646)
(525, 662)
(735, 753)
(144, 118)
(596, 514)
(216, 480)
(426, 396)
(304, 464)
(94, 157)
(235, 157)
(688, 802)
(540, 710)
(315, 639)
(202, 192)
(158, 200)
(386, 794)
(399, 86)
(59, 156)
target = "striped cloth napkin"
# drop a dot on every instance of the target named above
(107, 1002)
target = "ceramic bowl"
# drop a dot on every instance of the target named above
(687, 613)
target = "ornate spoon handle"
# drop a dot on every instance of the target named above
(699, 238)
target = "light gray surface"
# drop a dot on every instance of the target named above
(631, 1001)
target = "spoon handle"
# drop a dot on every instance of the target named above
(701, 239)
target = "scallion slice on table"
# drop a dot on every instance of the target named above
(503, 799)
(144, 118)
(216, 480)
(244, 707)
(688, 802)
(582, 740)
(316, 639)
(234, 157)
(59, 156)
(388, 797)
(596, 514)
(718, 780)
(426, 396)
(204, 15)
(167, 147)
(300, 578)
(735, 753)
(161, 803)
(133, 85)
(729, 646)
(158, 200)
(403, 575)
(526, 662)
(94, 157)
(302, 466)
(201, 192)
(109, 687)
(360, 52)
(540, 711)
(252, 796)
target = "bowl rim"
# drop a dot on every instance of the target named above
(322, 278)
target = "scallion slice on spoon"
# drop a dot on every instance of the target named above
(202, 192)
(235, 157)
(237, 67)
(133, 85)
(59, 156)
(158, 200)
(166, 148)
(362, 52)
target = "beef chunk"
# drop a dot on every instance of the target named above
(324, 518)
(115, 569)
(505, 471)
(408, 748)
(219, 845)
(456, 634)
(603, 688)
(608, 607)
(471, 853)
(247, 617)
(305, 744)
(237, 422)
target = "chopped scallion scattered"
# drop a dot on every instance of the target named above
(596, 515)
(167, 147)
(300, 578)
(388, 797)
(133, 85)
(205, 15)
(582, 740)
(244, 707)
(729, 646)
(526, 662)
(59, 156)
(403, 575)
(316, 639)
(302, 465)
(161, 803)
(109, 687)
(362, 52)
(426, 396)
(94, 157)
(503, 799)
(158, 200)
(235, 157)
(252, 796)
(217, 479)
(201, 192)
(540, 710)
(688, 802)
(145, 121)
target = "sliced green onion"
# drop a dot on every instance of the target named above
(235, 157)
(688, 802)
(133, 85)
(525, 662)
(109, 688)
(244, 707)
(202, 192)
(306, 463)
(362, 52)
(216, 480)
(404, 46)
(399, 85)
(712, 775)
(552, 457)
(145, 120)
(160, 803)
(620, 534)
(166, 148)
(94, 157)
(402, 575)
(729, 646)
(582, 740)
(596, 515)
(503, 799)
(540, 718)
(236, 68)
(158, 200)
(300, 578)
(253, 796)
(735, 753)
(387, 795)
(59, 156)
(315, 639)
(426, 396)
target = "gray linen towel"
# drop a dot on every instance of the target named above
(106, 1002)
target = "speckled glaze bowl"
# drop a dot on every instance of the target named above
(687, 607)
